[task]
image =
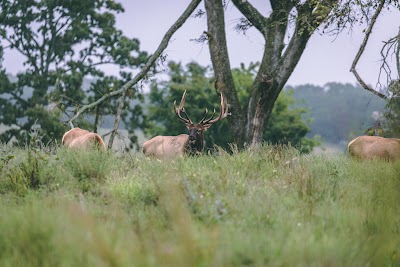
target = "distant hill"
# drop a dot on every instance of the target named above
(338, 112)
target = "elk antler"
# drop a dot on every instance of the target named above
(205, 115)
(182, 109)
(223, 113)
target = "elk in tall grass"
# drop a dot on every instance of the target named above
(83, 139)
(370, 147)
(167, 147)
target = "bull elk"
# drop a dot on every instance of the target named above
(370, 147)
(79, 138)
(163, 147)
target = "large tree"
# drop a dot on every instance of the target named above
(62, 43)
(286, 124)
(288, 19)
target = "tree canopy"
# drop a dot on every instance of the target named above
(338, 112)
(63, 43)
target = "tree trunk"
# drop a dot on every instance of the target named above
(220, 60)
(117, 119)
(276, 66)
(96, 119)
(258, 113)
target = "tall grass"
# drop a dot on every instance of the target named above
(268, 207)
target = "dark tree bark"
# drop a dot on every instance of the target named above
(277, 64)
(398, 54)
(220, 60)
(96, 119)
(117, 119)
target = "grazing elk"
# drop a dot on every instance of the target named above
(370, 147)
(165, 147)
(79, 138)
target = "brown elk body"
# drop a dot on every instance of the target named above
(371, 147)
(82, 139)
(169, 147)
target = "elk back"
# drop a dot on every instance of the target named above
(72, 134)
(77, 138)
(166, 147)
(87, 141)
(370, 147)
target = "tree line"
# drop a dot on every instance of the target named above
(339, 112)
(65, 42)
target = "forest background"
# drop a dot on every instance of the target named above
(307, 114)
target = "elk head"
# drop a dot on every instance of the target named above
(196, 130)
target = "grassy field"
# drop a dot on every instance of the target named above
(269, 207)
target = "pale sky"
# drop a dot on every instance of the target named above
(326, 58)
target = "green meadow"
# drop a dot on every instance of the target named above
(266, 207)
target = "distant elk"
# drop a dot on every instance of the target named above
(371, 147)
(83, 139)
(165, 147)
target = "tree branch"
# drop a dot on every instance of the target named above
(164, 43)
(117, 119)
(311, 15)
(291, 57)
(252, 14)
(385, 54)
(62, 26)
(361, 51)
(20, 99)
(398, 55)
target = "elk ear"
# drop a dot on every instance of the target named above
(188, 125)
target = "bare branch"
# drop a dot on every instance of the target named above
(164, 43)
(361, 50)
(388, 47)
